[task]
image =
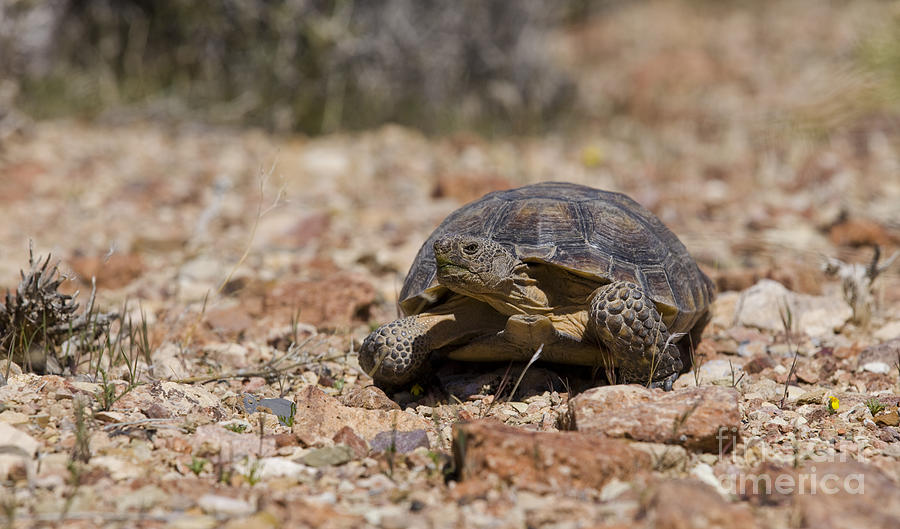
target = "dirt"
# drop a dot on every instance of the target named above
(754, 135)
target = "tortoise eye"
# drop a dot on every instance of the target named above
(470, 248)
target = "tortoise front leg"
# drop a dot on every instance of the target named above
(396, 353)
(624, 320)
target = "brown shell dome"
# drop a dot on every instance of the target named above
(593, 233)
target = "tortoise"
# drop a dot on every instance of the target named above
(590, 277)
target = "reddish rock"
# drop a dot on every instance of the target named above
(887, 418)
(115, 271)
(334, 300)
(688, 503)
(368, 397)
(859, 232)
(346, 436)
(286, 439)
(321, 415)
(485, 450)
(758, 364)
(691, 417)
(212, 439)
(826, 495)
(229, 321)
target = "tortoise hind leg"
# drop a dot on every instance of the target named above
(624, 321)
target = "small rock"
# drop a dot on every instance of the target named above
(142, 499)
(876, 367)
(486, 449)
(210, 439)
(681, 503)
(885, 353)
(813, 396)
(760, 307)
(118, 469)
(111, 271)
(286, 439)
(177, 400)
(711, 372)
(20, 449)
(887, 418)
(320, 415)
(260, 520)
(229, 322)
(201, 521)
(347, 436)
(13, 417)
(110, 416)
(224, 506)
(368, 397)
(168, 363)
(276, 467)
(691, 417)
(328, 456)
(401, 442)
(890, 332)
(849, 494)
(704, 473)
(758, 364)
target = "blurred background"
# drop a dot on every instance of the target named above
(317, 66)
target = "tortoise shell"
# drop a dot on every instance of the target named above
(596, 234)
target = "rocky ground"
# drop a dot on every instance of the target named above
(246, 268)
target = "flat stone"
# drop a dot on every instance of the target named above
(833, 495)
(279, 467)
(13, 417)
(211, 439)
(880, 368)
(761, 306)
(119, 469)
(879, 356)
(176, 400)
(168, 363)
(328, 456)
(225, 506)
(368, 397)
(812, 396)
(486, 450)
(889, 332)
(320, 415)
(401, 442)
(887, 418)
(691, 417)
(683, 503)
(19, 449)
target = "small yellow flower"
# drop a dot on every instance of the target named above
(592, 156)
(833, 404)
(416, 390)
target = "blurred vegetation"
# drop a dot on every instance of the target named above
(292, 65)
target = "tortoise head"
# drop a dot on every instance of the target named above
(474, 266)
